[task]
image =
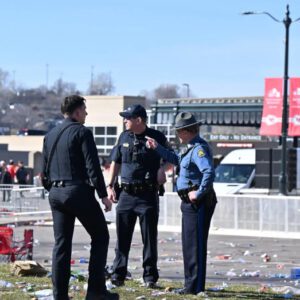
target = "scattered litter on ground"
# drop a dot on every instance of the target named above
(28, 268)
(223, 257)
(6, 284)
(109, 285)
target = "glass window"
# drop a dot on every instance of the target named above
(111, 141)
(227, 117)
(233, 173)
(241, 117)
(209, 117)
(215, 117)
(159, 118)
(112, 130)
(234, 117)
(99, 141)
(99, 130)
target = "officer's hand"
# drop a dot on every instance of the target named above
(193, 196)
(111, 194)
(151, 143)
(107, 203)
(161, 176)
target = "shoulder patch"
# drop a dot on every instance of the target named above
(200, 153)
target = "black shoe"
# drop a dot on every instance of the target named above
(106, 296)
(110, 296)
(150, 285)
(117, 282)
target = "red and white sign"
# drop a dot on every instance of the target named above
(294, 119)
(272, 112)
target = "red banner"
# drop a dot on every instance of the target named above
(272, 113)
(294, 119)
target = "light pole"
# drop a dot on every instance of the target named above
(287, 21)
(187, 89)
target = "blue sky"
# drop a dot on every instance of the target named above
(146, 43)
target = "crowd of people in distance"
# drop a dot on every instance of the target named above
(12, 173)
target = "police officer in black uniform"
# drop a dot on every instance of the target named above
(72, 167)
(195, 188)
(141, 173)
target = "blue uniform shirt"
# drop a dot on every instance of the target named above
(196, 165)
(136, 160)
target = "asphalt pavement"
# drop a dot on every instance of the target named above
(251, 260)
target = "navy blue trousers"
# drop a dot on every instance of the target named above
(195, 228)
(145, 206)
(68, 203)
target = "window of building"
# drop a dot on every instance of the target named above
(99, 130)
(111, 130)
(105, 138)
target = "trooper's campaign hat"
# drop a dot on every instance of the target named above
(185, 119)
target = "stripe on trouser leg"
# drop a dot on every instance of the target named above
(200, 248)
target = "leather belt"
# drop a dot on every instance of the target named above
(138, 188)
(63, 183)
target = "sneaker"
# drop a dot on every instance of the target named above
(117, 282)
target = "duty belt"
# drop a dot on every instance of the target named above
(138, 188)
(63, 183)
(184, 193)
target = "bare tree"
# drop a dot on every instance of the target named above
(62, 88)
(102, 84)
(167, 91)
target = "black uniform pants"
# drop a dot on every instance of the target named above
(68, 203)
(146, 207)
(195, 228)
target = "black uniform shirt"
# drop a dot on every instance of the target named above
(138, 163)
(75, 157)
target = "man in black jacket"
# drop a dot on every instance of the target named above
(75, 173)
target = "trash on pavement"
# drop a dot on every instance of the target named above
(6, 284)
(295, 273)
(223, 257)
(28, 268)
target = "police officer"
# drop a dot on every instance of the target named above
(195, 188)
(72, 166)
(141, 174)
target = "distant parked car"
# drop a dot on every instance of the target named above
(235, 172)
(26, 131)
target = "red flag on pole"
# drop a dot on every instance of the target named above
(272, 112)
(294, 119)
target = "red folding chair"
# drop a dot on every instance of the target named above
(11, 250)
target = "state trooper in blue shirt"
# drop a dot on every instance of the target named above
(195, 188)
(141, 175)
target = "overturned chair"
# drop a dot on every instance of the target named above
(11, 250)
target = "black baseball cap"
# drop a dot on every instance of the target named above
(134, 111)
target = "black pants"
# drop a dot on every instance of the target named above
(68, 203)
(195, 228)
(146, 207)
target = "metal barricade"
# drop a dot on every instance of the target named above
(22, 198)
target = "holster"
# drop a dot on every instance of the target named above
(117, 189)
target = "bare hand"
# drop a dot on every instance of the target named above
(151, 143)
(161, 176)
(111, 194)
(193, 196)
(107, 203)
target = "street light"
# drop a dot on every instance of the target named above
(187, 89)
(287, 21)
